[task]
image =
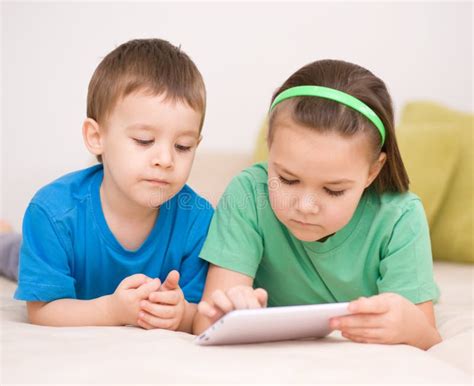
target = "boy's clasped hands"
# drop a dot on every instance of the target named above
(145, 302)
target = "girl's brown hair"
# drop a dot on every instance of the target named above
(329, 116)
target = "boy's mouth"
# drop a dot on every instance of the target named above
(157, 182)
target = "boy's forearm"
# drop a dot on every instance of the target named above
(186, 324)
(73, 312)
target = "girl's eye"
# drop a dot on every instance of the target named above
(143, 142)
(334, 193)
(288, 182)
(182, 148)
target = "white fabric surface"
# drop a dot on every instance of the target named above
(36, 354)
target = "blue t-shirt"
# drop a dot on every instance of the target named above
(68, 251)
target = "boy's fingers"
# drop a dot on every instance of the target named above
(154, 321)
(133, 281)
(262, 296)
(165, 297)
(144, 324)
(146, 289)
(171, 281)
(158, 310)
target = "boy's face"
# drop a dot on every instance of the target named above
(316, 180)
(148, 145)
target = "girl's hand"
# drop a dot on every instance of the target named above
(387, 318)
(165, 307)
(235, 298)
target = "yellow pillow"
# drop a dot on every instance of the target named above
(430, 153)
(260, 152)
(451, 210)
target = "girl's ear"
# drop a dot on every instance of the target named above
(376, 167)
(92, 135)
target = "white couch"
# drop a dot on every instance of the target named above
(35, 354)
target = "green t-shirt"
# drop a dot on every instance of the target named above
(385, 247)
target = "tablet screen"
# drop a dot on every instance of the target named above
(272, 324)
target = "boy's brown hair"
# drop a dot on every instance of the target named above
(326, 115)
(154, 66)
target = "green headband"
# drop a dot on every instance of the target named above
(335, 95)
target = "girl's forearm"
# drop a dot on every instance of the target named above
(200, 323)
(426, 338)
(426, 335)
(73, 312)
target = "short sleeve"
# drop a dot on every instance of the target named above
(193, 270)
(407, 265)
(44, 273)
(234, 241)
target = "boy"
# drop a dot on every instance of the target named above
(93, 240)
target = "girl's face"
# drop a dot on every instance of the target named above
(316, 179)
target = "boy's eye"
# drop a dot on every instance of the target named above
(288, 182)
(143, 142)
(334, 193)
(182, 148)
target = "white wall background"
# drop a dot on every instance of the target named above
(423, 50)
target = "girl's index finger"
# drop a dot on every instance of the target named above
(211, 312)
(206, 309)
(372, 305)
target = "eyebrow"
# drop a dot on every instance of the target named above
(145, 127)
(284, 170)
(335, 182)
(140, 126)
(341, 181)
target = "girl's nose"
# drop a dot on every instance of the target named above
(308, 204)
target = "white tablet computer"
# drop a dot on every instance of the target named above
(272, 324)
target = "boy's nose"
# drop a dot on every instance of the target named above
(163, 158)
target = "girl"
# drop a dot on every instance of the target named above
(329, 218)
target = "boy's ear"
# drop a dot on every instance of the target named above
(376, 167)
(92, 135)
